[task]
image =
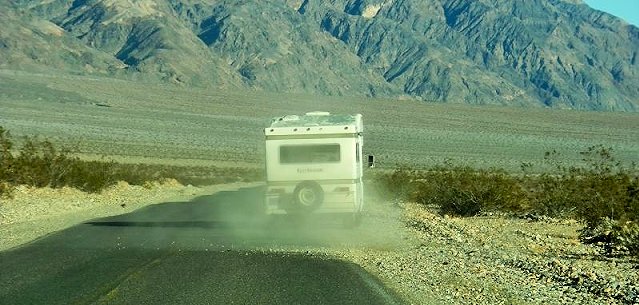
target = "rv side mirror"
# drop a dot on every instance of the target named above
(371, 161)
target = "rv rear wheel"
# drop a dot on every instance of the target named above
(308, 195)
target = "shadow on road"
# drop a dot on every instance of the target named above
(167, 224)
(224, 209)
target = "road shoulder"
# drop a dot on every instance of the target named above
(36, 212)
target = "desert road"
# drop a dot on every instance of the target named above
(215, 249)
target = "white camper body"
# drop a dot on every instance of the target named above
(314, 164)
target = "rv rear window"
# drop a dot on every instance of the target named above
(314, 153)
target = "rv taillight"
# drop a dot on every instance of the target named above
(276, 191)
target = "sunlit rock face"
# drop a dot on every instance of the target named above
(547, 53)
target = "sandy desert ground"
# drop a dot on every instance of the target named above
(154, 123)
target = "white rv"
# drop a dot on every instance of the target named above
(314, 164)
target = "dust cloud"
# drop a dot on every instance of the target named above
(235, 220)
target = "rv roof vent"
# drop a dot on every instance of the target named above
(290, 117)
(318, 113)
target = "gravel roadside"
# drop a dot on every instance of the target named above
(498, 260)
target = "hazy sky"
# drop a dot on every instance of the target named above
(625, 9)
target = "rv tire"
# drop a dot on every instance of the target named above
(308, 195)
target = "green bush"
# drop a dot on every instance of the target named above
(464, 191)
(615, 237)
(396, 185)
(601, 187)
(602, 193)
(6, 190)
(456, 190)
(606, 189)
(6, 158)
(552, 195)
(39, 163)
(6, 163)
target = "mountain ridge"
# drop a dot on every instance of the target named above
(544, 53)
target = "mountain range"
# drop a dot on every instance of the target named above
(531, 53)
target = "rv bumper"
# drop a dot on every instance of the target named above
(280, 199)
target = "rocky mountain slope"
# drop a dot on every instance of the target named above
(548, 53)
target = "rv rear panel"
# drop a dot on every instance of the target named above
(314, 164)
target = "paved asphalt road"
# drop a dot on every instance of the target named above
(213, 250)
